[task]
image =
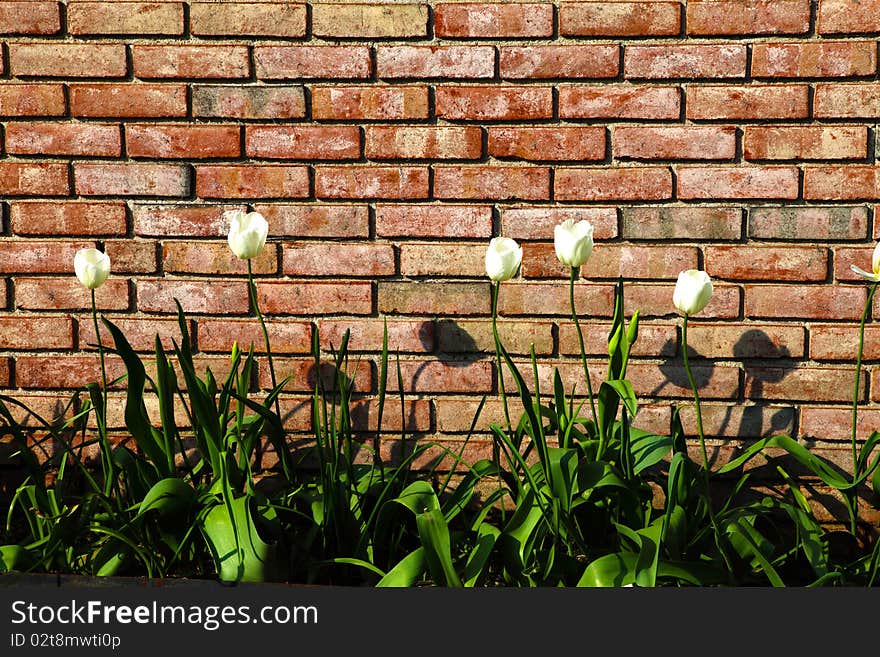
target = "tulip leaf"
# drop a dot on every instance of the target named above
(647, 448)
(406, 572)
(434, 534)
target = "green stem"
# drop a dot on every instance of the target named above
(102, 416)
(865, 312)
(253, 292)
(577, 325)
(496, 288)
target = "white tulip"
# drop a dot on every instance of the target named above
(692, 291)
(875, 265)
(247, 233)
(573, 242)
(92, 267)
(503, 258)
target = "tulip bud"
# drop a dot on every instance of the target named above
(503, 258)
(92, 267)
(247, 233)
(573, 242)
(875, 265)
(692, 291)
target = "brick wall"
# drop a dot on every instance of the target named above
(387, 142)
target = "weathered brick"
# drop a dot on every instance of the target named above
(580, 61)
(675, 223)
(674, 142)
(171, 61)
(304, 375)
(181, 220)
(183, 141)
(805, 142)
(606, 184)
(613, 260)
(844, 257)
(846, 101)
(467, 221)
(495, 182)
(845, 16)
(804, 301)
(370, 103)
(315, 298)
(91, 218)
(29, 17)
(243, 102)
(737, 182)
(841, 342)
(433, 298)
(429, 142)
(443, 376)
(656, 300)
(531, 298)
(338, 259)
(410, 182)
(442, 259)
(829, 423)
(318, 220)
(195, 296)
(536, 223)
(449, 62)
(160, 18)
(285, 337)
(685, 61)
(494, 103)
(544, 144)
(68, 60)
(30, 332)
(475, 336)
(797, 383)
(248, 181)
(748, 420)
(238, 19)
(405, 335)
(608, 102)
(188, 257)
(842, 183)
(619, 19)
(809, 223)
(303, 142)
(147, 179)
(297, 62)
(814, 60)
(33, 138)
(132, 256)
(39, 256)
(127, 100)
(19, 100)
(34, 179)
(654, 340)
(756, 101)
(769, 263)
(41, 293)
(369, 21)
(140, 331)
(493, 21)
(718, 381)
(735, 17)
(64, 371)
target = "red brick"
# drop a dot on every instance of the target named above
(733, 17)
(654, 340)
(809, 223)
(847, 101)
(748, 102)
(296, 62)
(128, 100)
(30, 332)
(370, 103)
(768, 263)
(608, 184)
(68, 60)
(63, 139)
(371, 182)
(805, 142)
(131, 179)
(34, 179)
(467, 221)
(676, 223)
(64, 371)
(743, 341)
(315, 298)
(68, 294)
(619, 19)
(285, 337)
(302, 373)
(737, 182)
(841, 342)
(182, 141)
(685, 61)
(475, 336)
(125, 18)
(366, 334)
(368, 21)
(181, 220)
(531, 298)
(720, 381)
(805, 301)
(675, 142)
(814, 60)
(656, 300)
(493, 21)
(322, 220)
(443, 376)
(39, 256)
(433, 298)
(303, 142)
(338, 259)
(492, 182)
(450, 62)
(188, 257)
(238, 19)
(842, 182)
(747, 421)
(30, 17)
(141, 332)
(195, 296)
(537, 223)
(40, 218)
(550, 143)
(132, 256)
(494, 103)
(167, 61)
(442, 259)
(797, 383)
(20, 100)
(846, 16)
(580, 61)
(412, 415)
(242, 102)
(826, 423)
(613, 260)
(846, 256)
(607, 102)
(458, 415)
(248, 181)
(430, 142)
